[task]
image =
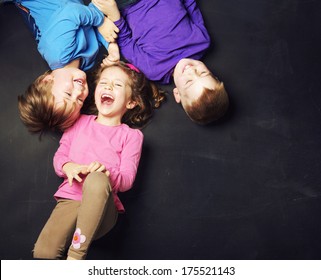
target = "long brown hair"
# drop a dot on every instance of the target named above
(144, 92)
(37, 108)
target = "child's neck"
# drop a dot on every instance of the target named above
(108, 121)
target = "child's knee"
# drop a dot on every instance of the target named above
(97, 183)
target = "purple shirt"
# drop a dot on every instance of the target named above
(155, 34)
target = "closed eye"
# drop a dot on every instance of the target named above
(204, 73)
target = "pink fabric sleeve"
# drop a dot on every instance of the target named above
(61, 156)
(122, 178)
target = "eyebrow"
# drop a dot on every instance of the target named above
(116, 80)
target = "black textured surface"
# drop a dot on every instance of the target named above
(247, 187)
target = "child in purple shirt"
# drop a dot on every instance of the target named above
(164, 39)
(98, 158)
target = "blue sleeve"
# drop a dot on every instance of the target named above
(72, 29)
(101, 39)
(76, 15)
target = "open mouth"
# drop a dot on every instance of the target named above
(107, 99)
(80, 81)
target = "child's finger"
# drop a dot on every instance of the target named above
(70, 178)
(76, 176)
(93, 166)
(111, 39)
(101, 168)
(90, 166)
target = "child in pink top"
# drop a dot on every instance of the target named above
(98, 157)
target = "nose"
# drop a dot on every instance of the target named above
(107, 87)
(192, 70)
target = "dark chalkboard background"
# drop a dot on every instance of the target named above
(248, 187)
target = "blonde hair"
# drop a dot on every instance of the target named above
(210, 106)
(37, 108)
(145, 93)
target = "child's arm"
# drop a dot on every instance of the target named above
(63, 164)
(113, 55)
(63, 29)
(72, 170)
(122, 178)
(194, 12)
(109, 8)
(61, 157)
(108, 30)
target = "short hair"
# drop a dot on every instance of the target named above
(38, 111)
(210, 106)
(144, 92)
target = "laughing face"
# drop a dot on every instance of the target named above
(69, 85)
(113, 96)
(191, 77)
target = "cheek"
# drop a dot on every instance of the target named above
(96, 97)
(86, 93)
(58, 97)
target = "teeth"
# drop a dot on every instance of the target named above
(105, 95)
(107, 99)
(79, 81)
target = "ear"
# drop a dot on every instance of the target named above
(48, 78)
(176, 95)
(131, 104)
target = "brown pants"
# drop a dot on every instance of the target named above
(78, 222)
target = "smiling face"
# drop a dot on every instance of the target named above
(69, 85)
(191, 77)
(113, 96)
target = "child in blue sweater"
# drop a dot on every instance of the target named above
(69, 35)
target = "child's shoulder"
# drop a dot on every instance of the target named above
(84, 120)
(132, 131)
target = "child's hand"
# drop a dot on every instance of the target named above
(113, 55)
(108, 30)
(108, 7)
(72, 171)
(96, 166)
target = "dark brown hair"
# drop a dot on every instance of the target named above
(210, 106)
(145, 93)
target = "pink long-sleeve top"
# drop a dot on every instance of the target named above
(117, 147)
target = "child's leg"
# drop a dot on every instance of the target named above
(56, 235)
(97, 214)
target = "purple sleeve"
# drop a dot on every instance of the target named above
(133, 52)
(122, 178)
(194, 12)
